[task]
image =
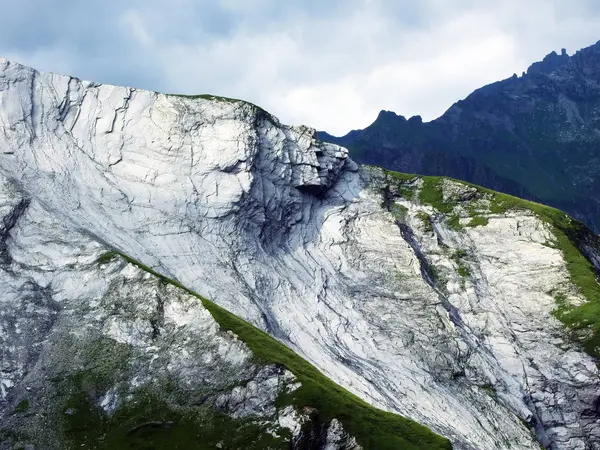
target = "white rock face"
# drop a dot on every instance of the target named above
(62, 313)
(289, 234)
(337, 438)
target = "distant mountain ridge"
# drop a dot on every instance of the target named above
(536, 136)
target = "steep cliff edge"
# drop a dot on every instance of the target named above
(101, 352)
(425, 297)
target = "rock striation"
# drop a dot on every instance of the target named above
(421, 296)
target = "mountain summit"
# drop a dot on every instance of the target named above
(188, 272)
(536, 136)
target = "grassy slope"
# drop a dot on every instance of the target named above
(373, 428)
(584, 320)
(147, 421)
(218, 98)
(376, 429)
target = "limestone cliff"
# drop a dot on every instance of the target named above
(456, 307)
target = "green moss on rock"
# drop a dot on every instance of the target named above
(21, 407)
(478, 221)
(148, 421)
(426, 221)
(570, 235)
(372, 428)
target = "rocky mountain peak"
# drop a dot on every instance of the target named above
(550, 63)
(268, 167)
(534, 136)
(389, 115)
(415, 120)
(145, 237)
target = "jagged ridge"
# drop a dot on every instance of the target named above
(534, 136)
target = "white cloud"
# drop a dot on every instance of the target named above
(330, 64)
(131, 22)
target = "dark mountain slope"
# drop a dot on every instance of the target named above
(535, 136)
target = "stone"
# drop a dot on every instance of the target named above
(289, 234)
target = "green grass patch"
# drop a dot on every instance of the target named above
(402, 182)
(373, 428)
(107, 257)
(21, 407)
(399, 211)
(458, 257)
(438, 278)
(218, 98)
(408, 192)
(463, 270)
(147, 421)
(549, 244)
(584, 320)
(453, 222)
(562, 303)
(478, 221)
(431, 194)
(459, 254)
(489, 388)
(157, 416)
(426, 221)
(399, 176)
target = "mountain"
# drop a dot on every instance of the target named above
(536, 136)
(188, 272)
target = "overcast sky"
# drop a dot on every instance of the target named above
(329, 64)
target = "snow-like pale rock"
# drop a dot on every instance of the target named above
(291, 235)
(70, 311)
(337, 438)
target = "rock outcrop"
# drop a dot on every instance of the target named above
(427, 298)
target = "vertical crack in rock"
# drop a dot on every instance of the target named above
(33, 106)
(425, 266)
(8, 223)
(65, 104)
(157, 321)
(427, 273)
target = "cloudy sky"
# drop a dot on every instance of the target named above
(329, 64)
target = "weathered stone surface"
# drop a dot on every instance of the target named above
(291, 235)
(64, 313)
